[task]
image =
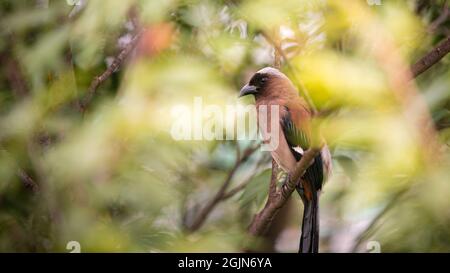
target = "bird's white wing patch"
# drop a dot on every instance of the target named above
(327, 162)
(299, 150)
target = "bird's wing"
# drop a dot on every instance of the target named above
(296, 133)
(280, 150)
(295, 126)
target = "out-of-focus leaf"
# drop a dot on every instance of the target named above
(256, 191)
(348, 164)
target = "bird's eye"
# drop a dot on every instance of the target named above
(263, 79)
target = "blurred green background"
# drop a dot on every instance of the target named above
(102, 169)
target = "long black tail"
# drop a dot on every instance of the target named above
(309, 241)
(313, 177)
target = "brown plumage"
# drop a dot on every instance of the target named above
(272, 87)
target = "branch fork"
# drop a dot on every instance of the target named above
(278, 197)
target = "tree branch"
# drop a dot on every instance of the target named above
(235, 190)
(431, 58)
(442, 18)
(241, 186)
(221, 193)
(277, 199)
(118, 60)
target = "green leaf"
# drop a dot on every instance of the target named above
(257, 189)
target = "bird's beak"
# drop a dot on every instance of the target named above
(247, 90)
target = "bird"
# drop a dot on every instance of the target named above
(270, 86)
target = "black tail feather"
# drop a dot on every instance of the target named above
(309, 241)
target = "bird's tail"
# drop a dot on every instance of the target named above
(309, 241)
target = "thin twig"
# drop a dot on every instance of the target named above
(121, 57)
(238, 152)
(244, 184)
(236, 189)
(442, 18)
(431, 58)
(277, 48)
(203, 214)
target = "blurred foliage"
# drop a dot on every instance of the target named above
(114, 179)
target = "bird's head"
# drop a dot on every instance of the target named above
(268, 82)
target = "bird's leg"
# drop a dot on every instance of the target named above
(287, 187)
(298, 186)
(301, 191)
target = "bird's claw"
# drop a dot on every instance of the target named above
(284, 185)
